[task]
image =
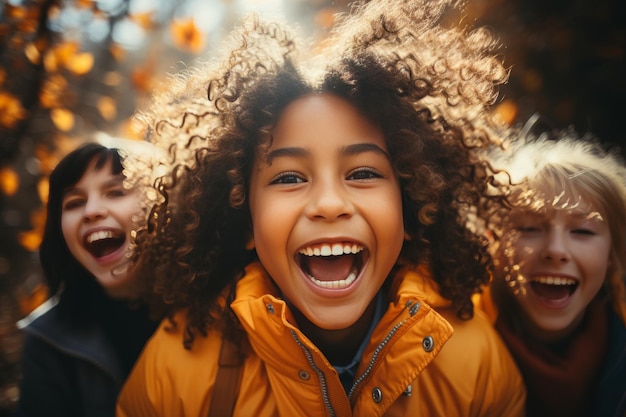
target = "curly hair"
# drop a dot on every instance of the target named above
(427, 87)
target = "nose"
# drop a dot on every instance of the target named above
(329, 201)
(555, 248)
(94, 210)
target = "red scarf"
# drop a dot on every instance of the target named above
(561, 383)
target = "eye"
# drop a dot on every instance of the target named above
(287, 178)
(364, 173)
(527, 229)
(117, 192)
(585, 232)
(73, 203)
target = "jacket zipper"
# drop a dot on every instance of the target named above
(319, 373)
(368, 370)
(357, 382)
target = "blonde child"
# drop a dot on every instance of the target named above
(558, 292)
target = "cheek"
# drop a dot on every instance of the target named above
(387, 223)
(68, 227)
(270, 224)
(600, 261)
(70, 233)
(131, 213)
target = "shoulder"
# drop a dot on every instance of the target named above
(165, 369)
(611, 394)
(476, 348)
(476, 336)
(479, 368)
(43, 317)
(165, 354)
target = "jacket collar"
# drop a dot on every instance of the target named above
(88, 343)
(408, 322)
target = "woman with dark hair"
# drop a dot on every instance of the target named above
(80, 345)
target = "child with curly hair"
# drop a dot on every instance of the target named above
(311, 221)
(558, 296)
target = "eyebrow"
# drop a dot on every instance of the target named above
(116, 180)
(355, 149)
(576, 214)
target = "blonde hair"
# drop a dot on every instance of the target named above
(565, 167)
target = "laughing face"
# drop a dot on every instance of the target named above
(326, 210)
(96, 221)
(560, 258)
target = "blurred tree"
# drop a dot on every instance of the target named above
(567, 58)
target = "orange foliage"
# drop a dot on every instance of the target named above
(43, 187)
(107, 108)
(15, 12)
(144, 20)
(11, 110)
(67, 55)
(87, 4)
(81, 64)
(117, 52)
(47, 160)
(9, 181)
(63, 119)
(29, 302)
(112, 78)
(507, 111)
(31, 239)
(32, 53)
(57, 57)
(142, 78)
(30, 23)
(186, 35)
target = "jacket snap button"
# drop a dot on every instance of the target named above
(377, 395)
(304, 375)
(428, 343)
(270, 308)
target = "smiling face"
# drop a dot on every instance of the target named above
(326, 210)
(563, 257)
(96, 220)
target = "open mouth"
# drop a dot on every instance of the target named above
(553, 288)
(332, 266)
(104, 242)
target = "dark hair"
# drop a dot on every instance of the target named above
(431, 114)
(62, 272)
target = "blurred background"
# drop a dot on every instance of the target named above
(70, 70)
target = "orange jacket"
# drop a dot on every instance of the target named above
(413, 365)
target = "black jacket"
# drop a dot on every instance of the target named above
(75, 369)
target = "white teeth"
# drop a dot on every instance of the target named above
(335, 284)
(102, 234)
(555, 280)
(335, 249)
